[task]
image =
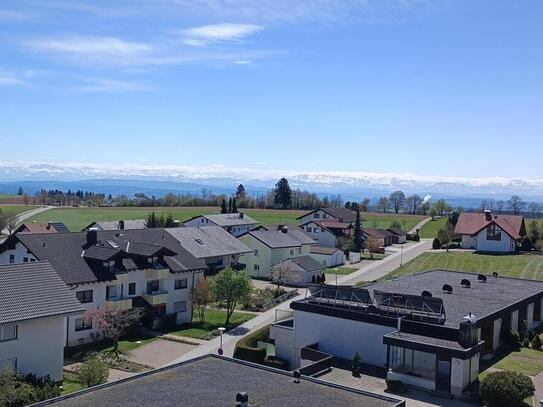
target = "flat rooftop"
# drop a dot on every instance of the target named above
(214, 381)
(481, 299)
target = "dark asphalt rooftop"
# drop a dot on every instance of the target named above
(214, 381)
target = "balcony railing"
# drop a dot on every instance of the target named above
(119, 304)
(159, 273)
(156, 297)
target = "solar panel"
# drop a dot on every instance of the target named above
(346, 296)
(419, 307)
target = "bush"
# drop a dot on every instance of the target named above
(526, 244)
(276, 362)
(436, 244)
(246, 348)
(514, 339)
(526, 342)
(396, 386)
(18, 391)
(505, 389)
(536, 343)
(416, 238)
(93, 372)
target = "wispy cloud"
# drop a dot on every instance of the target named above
(213, 33)
(111, 85)
(10, 15)
(243, 62)
(93, 50)
(10, 78)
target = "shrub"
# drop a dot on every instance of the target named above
(526, 342)
(246, 347)
(416, 238)
(512, 338)
(536, 343)
(504, 389)
(273, 361)
(526, 243)
(18, 391)
(93, 372)
(356, 364)
(436, 244)
(396, 386)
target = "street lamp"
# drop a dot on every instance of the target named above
(221, 331)
(401, 256)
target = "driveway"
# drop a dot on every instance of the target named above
(160, 352)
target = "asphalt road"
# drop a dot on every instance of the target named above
(26, 215)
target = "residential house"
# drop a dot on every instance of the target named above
(398, 236)
(381, 236)
(327, 256)
(127, 224)
(49, 227)
(342, 215)
(302, 270)
(488, 232)
(144, 268)
(270, 247)
(213, 380)
(428, 330)
(234, 223)
(212, 244)
(326, 232)
(34, 304)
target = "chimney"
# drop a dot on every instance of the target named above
(242, 399)
(92, 236)
(340, 219)
(49, 224)
(488, 215)
(121, 224)
(241, 215)
(284, 229)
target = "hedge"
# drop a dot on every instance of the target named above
(505, 389)
(246, 347)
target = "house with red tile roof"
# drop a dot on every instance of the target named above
(488, 232)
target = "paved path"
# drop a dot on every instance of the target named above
(419, 225)
(21, 217)
(366, 272)
(538, 383)
(159, 352)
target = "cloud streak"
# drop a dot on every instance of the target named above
(110, 85)
(214, 33)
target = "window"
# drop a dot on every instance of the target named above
(317, 230)
(299, 250)
(308, 229)
(152, 260)
(111, 291)
(31, 260)
(292, 252)
(180, 306)
(493, 232)
(153, 286)
(8, 332)
(84, 296)
(256, 267)
(322, 230)
(256, 253)
(180, 284)
(12, 258)
(324, 216)
(316, 215)
(82, 325)
(110, 265)
(25, 259)
(131, 288)
(8, 365)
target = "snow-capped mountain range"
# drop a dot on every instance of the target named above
(168, 176)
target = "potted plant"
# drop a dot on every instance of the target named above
(356, 365)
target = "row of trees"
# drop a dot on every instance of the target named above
(515, 205)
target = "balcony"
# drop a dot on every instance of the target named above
(119, 304)
(159, 273)
(156, 297)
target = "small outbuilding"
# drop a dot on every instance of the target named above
(299, 271)
(327, 256)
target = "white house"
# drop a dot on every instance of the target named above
(488, 232)
(34, 304)
(270, 247)
(326, 232)
(234, 223)
(429, 330)
(144, 268)
(302, 270)
(327, 256)
(342, 215)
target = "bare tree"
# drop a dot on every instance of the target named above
(500, 205)
(397, 200)
(202, 295)
(383, 204)
(446, 234)
(535, 209)
(516, 204)
(26, 199)
(372, 245)
(113, 323)
(3, 221)
(283, 274)
(364, 205)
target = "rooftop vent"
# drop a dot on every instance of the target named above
(92, 236)
(481, 278)
(241, 215)
(447, 289)
(465, 283)
(199, 241)
(488, 214)
(242, 399)
(426, 294)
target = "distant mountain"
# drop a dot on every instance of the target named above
(159, 180)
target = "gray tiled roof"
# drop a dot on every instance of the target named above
(33, 290)
(65, 251)
(308, 263)
(209, 241)
(214, 381)
(482, 299)
(277, 239)
(323, 250)
(129, 224)
(230, 219)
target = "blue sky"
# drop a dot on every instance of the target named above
(450, 88)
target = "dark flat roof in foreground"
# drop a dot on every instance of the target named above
(214, 381)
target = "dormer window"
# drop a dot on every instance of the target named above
(316, 215)
(109, 265)
(493, 232)
(153, 261)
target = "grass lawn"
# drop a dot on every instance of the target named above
(527, 361)
(214, 319)
(430, 229)
(125, 345)
(340, 270)
(70, 383)
(514, 265)
(383, 220)
(12, 210)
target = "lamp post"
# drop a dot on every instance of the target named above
(401, 256)
(221, 331)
